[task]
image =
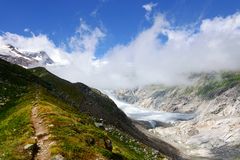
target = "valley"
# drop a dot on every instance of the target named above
(196, 121)
(43, 116)
(150, 116)
(120, 80)
(203, 124)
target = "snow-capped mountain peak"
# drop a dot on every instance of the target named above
(24, 58)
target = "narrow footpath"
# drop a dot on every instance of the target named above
(41, 134)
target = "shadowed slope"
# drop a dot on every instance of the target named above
(78, 99)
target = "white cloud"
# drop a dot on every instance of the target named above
(146, 59)
(148, 8)
(35, 44)
(86, 39)
(26, 30)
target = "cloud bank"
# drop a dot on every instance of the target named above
(161, 53)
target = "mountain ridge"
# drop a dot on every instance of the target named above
(24, 58)
(213, 98)
(62, 100)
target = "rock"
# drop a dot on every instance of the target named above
(216, 125)
(51, 125)
(108, 144)
(193, 132)
(99, 124)
(25, 59)
(29, 146)
(58, 157)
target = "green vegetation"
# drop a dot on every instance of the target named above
(132, 148)
(58, 85)
(15, 131)
(215, 86)
(15, 107)
(77, 137)
(73, 133)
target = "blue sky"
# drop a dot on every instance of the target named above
(121, 20)
(126, 43)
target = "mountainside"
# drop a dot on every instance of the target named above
(214, 98)
(44, 117)
(25, 59)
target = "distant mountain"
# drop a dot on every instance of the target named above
(214, 99)
(25, 59)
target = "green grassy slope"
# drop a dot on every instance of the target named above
(84, 98)
(214, 85)
(67, 111)
(94, 103)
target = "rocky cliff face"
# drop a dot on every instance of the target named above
(24, 59)
(214, 98)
